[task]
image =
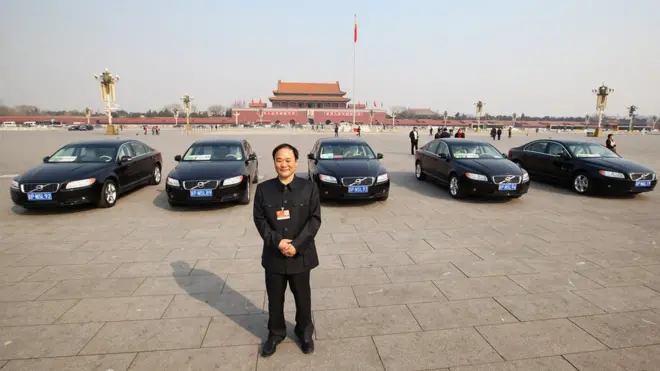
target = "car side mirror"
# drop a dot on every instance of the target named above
(252, 157)
(311, 156)
(46, 158)
(124, 159)
(177, 158)
(379, 156)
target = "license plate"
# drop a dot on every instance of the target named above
(643, 183)
(358, 189)
(507, 187)
(201, 192)
(40, 196)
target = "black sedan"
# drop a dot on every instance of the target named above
(470, 168)
(585, 166)
(347, 169)
(88, 172)
(213, 171)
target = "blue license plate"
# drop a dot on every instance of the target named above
(201, 192)
(40, 196)
(358, 189)
(643, 183)
(507, 187)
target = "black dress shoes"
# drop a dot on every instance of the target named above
(307, 345)
(269, 347)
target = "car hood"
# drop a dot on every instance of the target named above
(204, 170)
(618, 164)
(491, 167)
(344, 168)
(61, 172)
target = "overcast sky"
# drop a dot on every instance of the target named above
(525, 56)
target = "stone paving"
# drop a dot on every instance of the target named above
(551, 281)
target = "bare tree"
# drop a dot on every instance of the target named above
(172, 107)
(217, 110)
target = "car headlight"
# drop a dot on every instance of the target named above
(80, 183)
(479, 177)
(232, 181)
(382, 178)
(525, 177)
(611, 174)
(327, 178)
(173, 182)
(14, 184)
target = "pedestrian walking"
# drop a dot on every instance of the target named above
(414, 140)
(610, 143)
(460, 134)
(359, 131)
(493, 133)
(287, 214)
(510, 131)
(499, 133)
(336, 130)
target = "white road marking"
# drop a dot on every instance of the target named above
(8, 176)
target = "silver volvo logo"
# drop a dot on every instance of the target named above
(507, 179)
(39, 187)
(358, 181)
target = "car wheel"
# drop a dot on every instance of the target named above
(245, 197)
(419, 174)
(455, 187)
(581, 183)
(256, 176)
(109, 194)
(156, 176)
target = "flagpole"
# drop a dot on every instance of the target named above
(354, 47)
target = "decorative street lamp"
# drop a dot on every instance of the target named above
(371, 116)
(88, 114)
(601, 102)
(631, 113)
(393, 122)
(176, 117)
(108, 82)
(444, 117)
(236, 114)
(514, 117)
(260, 112)
(480, 108)
(654, 120)
(187, 106)
(586, 120)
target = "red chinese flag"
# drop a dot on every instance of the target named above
(355, 30)
(375, 104)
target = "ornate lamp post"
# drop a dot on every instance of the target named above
(176, 116)
(108, 82)
(371, 116)
(260, 112)
(236, 114)
(601, 102)
(187, 106)
(393, 122)
(88, 114)
(444, 118)
(480, 108)
(654, 120)
(586, 120)
(631, 113)
(514, 117)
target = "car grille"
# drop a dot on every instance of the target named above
(642, 176)
(201, 184)
(365, 181)
(40, 187)
(506, 179)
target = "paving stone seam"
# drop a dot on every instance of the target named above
(587, 332)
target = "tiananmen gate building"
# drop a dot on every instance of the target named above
(301, 103)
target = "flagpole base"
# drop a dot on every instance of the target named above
(110, 129)
(598, 132)
(188, 129)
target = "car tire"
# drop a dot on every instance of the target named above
(455, 190)
(156, 175)
(245, 196)
(419, 174)
(109, 193)
(255, 180)
(581, 183)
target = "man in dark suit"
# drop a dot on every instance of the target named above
(414, 140)
(287, 214)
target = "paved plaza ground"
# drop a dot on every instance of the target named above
(552, 281)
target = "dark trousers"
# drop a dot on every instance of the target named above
(413, 146)
(276, 288)
(336, 133)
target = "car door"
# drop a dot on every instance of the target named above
(443, 163)
(127, 171)
(142, 159)
(559, 165)
(534, 156)
(251, 165)
(311, 164)
(428, 156)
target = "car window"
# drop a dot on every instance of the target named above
(442, 148)
(336, 151)
(537, 147)
(433, 147)
(84, 153)
(590, 150)
(214, 152)
(555, 149)
(138, 148)
(125, 150)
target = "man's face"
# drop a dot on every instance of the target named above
(285, 162)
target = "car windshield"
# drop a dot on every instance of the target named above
(474, 150)
(339, 151)
(80, 153)
(214, 152)
(590, 150)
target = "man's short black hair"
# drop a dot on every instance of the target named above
(610, 135)
(286, 145)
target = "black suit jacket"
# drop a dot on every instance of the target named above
(301, 198)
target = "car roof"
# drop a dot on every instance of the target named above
(562, 141)
(221, 140)
(342, 140)
(111, 141)
(461, 140)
